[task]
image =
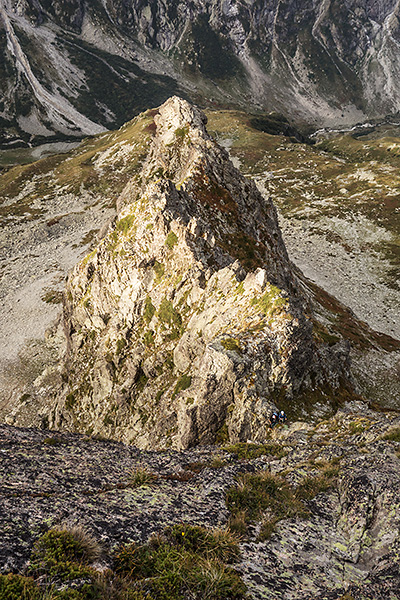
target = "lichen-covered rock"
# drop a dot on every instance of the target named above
(186, 322)
(345, 544)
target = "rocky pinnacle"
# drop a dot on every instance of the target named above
(186, 323)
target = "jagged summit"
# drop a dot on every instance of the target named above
(186, 323)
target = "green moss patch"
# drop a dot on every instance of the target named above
(171, 240)
(125, 224)
(231, 344)
(159, 270)
(149, 310)
(170, 316)
(271, 302)
(183, 383)
(52, 297)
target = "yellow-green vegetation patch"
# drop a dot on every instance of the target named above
(359, 426)
(184, 382)
(171, 240)
(231, 344)
(246, 451)
(271, 302)
(393, 435)
(149, 338)
(159, 271)
(53, 441)
(70, 400)
(149, 310)
(89, 257)
(168, 315)
(52, 297)
(121, 344)
(125, 224)
(322, 334)
(258, 494)
(181, 132)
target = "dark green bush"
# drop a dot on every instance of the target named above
(184, 562)
(16, 587)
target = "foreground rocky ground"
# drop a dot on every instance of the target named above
(338, 533)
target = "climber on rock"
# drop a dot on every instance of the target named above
(273, 420)
(282, 416)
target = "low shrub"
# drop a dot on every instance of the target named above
(185, 561)
(65, 554)
(16, 587)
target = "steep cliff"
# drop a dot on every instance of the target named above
(72, 66)
(187, 323)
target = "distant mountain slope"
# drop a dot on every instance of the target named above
(74, 67)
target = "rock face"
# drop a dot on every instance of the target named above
(186, 323)
(345, 546)
(325, 62)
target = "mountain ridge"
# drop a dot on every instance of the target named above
(329, 64)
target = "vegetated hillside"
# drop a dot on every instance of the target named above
(74, 67)
(186, 322)
(312, 513)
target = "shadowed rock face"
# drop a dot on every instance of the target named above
(346, 542)
(71, 66)
(186, 323)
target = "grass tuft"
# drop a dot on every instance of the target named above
(141, 476)
(393, 435)
(259, 494)
(247, 451)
